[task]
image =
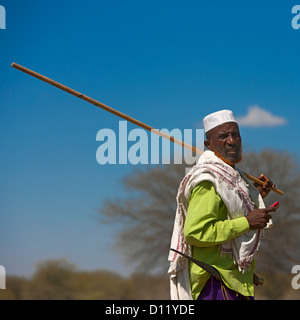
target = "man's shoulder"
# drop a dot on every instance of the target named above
(204, 187)
(205, 194)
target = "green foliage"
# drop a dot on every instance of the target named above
(59, 280)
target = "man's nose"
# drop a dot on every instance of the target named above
(231, 140)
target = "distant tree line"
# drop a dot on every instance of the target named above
(60, 280)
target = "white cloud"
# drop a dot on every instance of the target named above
(258, 117)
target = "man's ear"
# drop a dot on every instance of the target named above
(207, 144)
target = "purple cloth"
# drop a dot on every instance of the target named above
(213, 291)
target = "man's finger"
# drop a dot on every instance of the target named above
(272, 209)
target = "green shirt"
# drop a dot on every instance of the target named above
(206, 227)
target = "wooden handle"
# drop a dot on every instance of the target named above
(258, 281)
(103, 106)
(122, 115)
(261, 183)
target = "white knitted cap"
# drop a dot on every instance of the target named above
(215, 119)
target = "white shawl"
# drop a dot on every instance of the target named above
(239, 196)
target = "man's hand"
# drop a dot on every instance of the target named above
(259, 218)
(266, 187)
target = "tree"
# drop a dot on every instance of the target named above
(60, 280)
(147, 215)
(52, 280)
(148, 211)
(280, 250)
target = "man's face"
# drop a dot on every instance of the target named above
(226, 140)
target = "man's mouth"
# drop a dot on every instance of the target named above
(232, 151)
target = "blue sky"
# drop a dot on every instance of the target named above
(166, 63)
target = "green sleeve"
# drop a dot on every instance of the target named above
(206, 221)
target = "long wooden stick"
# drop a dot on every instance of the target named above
(123, 116)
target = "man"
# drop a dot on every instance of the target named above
(219, 218)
